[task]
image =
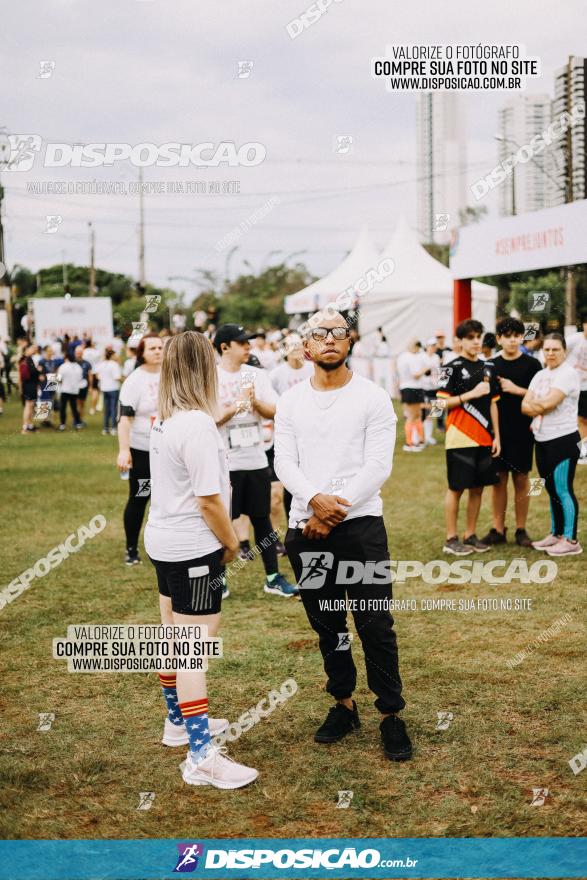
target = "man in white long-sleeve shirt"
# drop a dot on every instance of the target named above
(334, 441)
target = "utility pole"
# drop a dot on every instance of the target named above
(141, 233)
(64, 273)
(570, 285)
(92, 260)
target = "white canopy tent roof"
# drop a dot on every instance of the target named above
(363, 256)
(417, 298)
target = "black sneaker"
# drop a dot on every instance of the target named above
(339, 722)
(132, 556)
(494, 537)
(397, 745)
(456, 547)
(523, 538)
(477, 545)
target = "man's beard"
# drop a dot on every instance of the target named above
(328, 366)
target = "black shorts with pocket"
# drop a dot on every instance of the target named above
(412, 395)
(251, 492)
(471, 467)
(194, 585)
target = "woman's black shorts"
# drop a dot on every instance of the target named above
(194, 585)
(412, 395)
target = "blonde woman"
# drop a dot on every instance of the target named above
(189, 538)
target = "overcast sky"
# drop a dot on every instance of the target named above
(134, 71)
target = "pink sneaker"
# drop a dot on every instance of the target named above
(564, 547)
(549, 541)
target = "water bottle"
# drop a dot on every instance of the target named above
(124, 475)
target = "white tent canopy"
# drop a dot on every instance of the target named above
(417, 298)
(363, 256)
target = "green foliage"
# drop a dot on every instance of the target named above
(253, 300)
(551, 283)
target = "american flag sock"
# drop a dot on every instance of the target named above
(169, 688)
(195, 715)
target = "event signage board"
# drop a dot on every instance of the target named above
(535, 240)
(55, 316)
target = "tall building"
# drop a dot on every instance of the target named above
(569, 151)
(441, 164)
(529, 187)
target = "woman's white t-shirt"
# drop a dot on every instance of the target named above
(188, 460)
(71, 377)
(108, 373)
(408, 364)
(140, 391)
(563, 419)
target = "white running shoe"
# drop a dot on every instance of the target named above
(177, 735)
(582, 460)
(408, 448)
(565, 547)
(431, 441)
(217, 769)
(549, 541)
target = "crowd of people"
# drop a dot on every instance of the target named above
(223, 431)
(498, 397)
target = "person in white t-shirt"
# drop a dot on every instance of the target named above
(334, 441)
(92, 355)
(189, 538)
(552, 400)
(138, 409)
(248, 399)
(577, 358)
(109, 374)
(430, 381)
(71, 375)
(411, 366)
(293, 370)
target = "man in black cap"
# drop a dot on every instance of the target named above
(247, 399)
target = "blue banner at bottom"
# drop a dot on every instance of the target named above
(290, 858)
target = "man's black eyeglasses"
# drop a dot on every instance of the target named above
(321, 333)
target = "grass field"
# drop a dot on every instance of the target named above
(514, 729)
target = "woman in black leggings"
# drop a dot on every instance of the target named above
(138, 409)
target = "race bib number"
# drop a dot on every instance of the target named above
(243, 436)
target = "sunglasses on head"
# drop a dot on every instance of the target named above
(338, 333)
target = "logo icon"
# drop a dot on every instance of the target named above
(344, 800)
(153, 301)
(437, 407)
(187, 861)
(538, 301)
(444, 374)
(539, 797)
(53, 222)
(444, 719)
(139, 328)
(17, 151)
(146, 799)
(440, 223)
(46, 69)
(315, 568)
(336, 484)
(245, 68)
(343, 144)
(537, 484)
(344, 641)
(46, 719)
(52, 383)
(144, 489)
(465, 373)
(42, 409)
(531, 331)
